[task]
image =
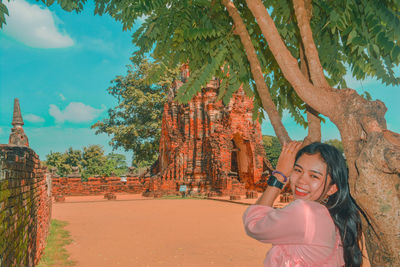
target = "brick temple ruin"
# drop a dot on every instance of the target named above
(208, 146)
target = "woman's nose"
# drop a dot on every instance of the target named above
(302, 178)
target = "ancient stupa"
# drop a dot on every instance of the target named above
(17, 136)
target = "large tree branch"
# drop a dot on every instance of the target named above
(320, 99)
(314, 122)
(314, 127)
(255, 66)
(303, 15)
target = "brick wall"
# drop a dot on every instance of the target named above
(95, 186)
(25, 206)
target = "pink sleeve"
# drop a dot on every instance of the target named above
(279, 226)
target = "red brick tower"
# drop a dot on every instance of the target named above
(209, 146)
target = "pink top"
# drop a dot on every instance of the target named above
(302, 234)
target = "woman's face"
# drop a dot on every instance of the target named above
(308, 178)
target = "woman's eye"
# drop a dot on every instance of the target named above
(315, 177)
(297, 170)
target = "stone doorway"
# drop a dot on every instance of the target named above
(234, 156)
(242, 160)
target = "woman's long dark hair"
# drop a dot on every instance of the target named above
(342, 207)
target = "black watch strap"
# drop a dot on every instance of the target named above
(273, 181)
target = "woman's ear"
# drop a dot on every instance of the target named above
(332, 190)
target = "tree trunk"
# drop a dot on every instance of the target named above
(373, 157)
(372, 152)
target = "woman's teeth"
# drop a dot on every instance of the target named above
(300, 192)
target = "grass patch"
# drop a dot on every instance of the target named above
(55, 253)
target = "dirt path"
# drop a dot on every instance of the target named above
(158, 232)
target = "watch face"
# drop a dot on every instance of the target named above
(273, 181)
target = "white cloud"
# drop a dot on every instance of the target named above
(34, 26)
(62, 97)
(33, 118)
(75, 112)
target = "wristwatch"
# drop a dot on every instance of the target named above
(273, 181)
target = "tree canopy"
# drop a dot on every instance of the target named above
(135, 123)
(360, 35)
(91, 161)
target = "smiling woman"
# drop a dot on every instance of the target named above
(322, 227)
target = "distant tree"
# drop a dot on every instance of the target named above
(57, 160)
(272, 148)
(135, 123)
(336, 143)
(91, 161)
(118, 163)
(73, 157)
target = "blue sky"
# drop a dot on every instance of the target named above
(60, 64)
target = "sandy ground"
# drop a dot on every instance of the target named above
(132, 231)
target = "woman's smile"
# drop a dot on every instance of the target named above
(300, 192)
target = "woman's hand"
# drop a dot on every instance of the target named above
(286, 159)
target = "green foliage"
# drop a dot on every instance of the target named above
(363, 34)
(336, 143)
(57, 160)
(91, 161)
(94, 162)
(366, 95)
(272, 148)
(135, 123)
(118, 163)
(3, 13)
(73, 157)
(201, 33)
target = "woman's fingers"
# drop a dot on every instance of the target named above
(287, 157)
(294, 147)
(291, 147)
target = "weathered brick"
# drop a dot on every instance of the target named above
(25, 207)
